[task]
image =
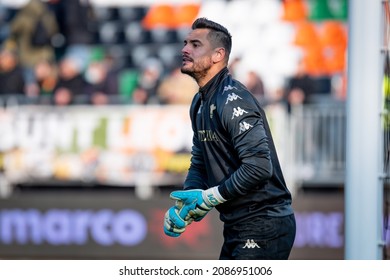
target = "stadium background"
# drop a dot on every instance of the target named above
(86, 181)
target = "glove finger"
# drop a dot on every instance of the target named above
(179, 204)
(185, 210)
(177, 195)
(186, 196)
(188, 219)
(197, 214)
(169, 226)
(175, 218)
(199, 218)
(171, 233)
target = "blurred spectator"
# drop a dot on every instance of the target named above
(148, 82)
(70, 88)
(299, 88)
(177, 88)
(139, 96)
(22, 28)
(234, 65)
(77, 16)
(11, 73)
(102, 83)
(250, 78)
(74, 18)
(339, 85)
(255, 85)
(46, 75)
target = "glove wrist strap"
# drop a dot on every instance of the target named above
(213, 196)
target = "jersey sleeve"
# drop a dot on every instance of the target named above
(196, 173)
(242, 119)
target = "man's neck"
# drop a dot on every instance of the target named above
(210, 74)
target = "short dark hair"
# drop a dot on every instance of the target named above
(219, 36)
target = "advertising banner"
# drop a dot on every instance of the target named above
(114, 145)
(99, 225)
(116, 225)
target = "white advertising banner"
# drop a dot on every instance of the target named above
(108, 145)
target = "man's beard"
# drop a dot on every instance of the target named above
(198, 71)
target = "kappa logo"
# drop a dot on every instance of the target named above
(231, 97)
(229, 87)
(238, 112)
(251, 244)
(244, 126)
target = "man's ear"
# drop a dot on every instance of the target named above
(219, 55)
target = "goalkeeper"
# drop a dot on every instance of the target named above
(234, 165)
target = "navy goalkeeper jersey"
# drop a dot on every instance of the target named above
(233, 149)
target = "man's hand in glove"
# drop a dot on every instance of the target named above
(196, 204)
(178, 217)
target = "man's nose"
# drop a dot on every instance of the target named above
(184, 50)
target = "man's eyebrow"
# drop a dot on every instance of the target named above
(193, 41)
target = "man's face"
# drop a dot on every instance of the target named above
(7, 60)
(197, 54)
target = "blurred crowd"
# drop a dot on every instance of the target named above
(70, 68)
(51, 57)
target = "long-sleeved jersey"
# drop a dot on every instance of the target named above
(233, 149)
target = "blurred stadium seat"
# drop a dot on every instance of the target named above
(111, 32)
(130, 14)
(170, 55)
(135, 34)
(159, 15)
(127, 80)
(163, 35)
(295, 10)
(185, 14)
